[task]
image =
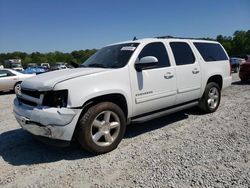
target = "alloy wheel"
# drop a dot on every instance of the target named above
(213, 98)
(105, 128)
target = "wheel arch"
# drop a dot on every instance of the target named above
(217, 79)
(116, 98)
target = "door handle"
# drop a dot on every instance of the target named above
(168, 75)
(195, 71)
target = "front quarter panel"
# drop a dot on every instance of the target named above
(84, 88)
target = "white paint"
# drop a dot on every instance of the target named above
(144, 91)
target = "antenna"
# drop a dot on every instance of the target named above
(134, 38)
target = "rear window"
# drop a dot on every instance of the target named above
(211, 51)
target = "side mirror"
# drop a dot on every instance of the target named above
(146, 62)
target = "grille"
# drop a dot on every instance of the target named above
(35, 94)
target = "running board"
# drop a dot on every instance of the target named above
(163, 113)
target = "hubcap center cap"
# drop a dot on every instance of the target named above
(105, 127)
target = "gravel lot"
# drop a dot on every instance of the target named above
(181, 150)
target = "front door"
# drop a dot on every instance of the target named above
(155, 87)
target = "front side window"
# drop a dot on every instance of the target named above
(115, 56)
(183, 54)
(211, 51)
(158, 50)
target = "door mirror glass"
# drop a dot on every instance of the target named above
(146, 62)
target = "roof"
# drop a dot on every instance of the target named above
(156, 39)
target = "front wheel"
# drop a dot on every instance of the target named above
(210, 100)
(17, 88)
(101, 128)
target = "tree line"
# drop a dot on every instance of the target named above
(77, 56)
(237, 45)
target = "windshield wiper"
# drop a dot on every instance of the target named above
(97, 65)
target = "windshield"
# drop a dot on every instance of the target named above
(115, 56)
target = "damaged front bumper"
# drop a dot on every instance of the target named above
(55, 123)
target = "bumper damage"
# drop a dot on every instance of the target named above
(55, 123)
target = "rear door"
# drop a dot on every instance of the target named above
(188, 72)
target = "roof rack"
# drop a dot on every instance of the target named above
(172, 37)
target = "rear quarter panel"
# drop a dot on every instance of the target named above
(209, 69)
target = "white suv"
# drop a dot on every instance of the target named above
(126, 82)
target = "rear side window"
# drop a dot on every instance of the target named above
(182, 53)
(5, 73)
(158, 50)
(211, 51)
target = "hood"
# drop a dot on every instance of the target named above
(46, 81)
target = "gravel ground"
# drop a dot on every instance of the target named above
(187, 149)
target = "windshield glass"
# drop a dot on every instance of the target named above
(115, 56)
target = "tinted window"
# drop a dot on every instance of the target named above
(182, 53)
(158, 50)
(211, 51)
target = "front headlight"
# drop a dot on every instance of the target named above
(56, 98)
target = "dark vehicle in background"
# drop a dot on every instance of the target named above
(32, 65)
(235, 63)
(46, 66)
(14, 64)
(244, 72)
(60, 66)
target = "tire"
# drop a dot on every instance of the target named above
(94, 128)
(210, 100)
(17, 87)
(243, 80)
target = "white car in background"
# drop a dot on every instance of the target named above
(11, 80)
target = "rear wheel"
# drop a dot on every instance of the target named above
(210, 100)
(101, 128)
